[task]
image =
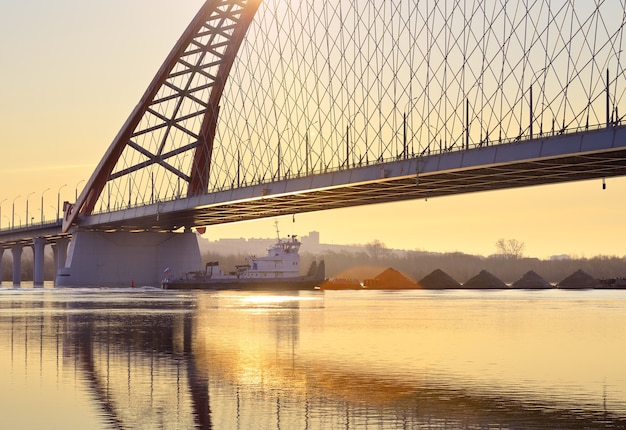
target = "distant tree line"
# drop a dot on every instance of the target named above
(508, 264)
(376, 257)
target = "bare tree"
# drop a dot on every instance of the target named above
(377, 250)
(511, 248)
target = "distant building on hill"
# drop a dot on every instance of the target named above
(255, 246)
(313, 239)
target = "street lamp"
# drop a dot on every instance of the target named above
(280, 153)
(350, 122)
(241, 143)
(59, 200)
(307, 144)
(407, 112)
(44, 191)
(1, 212)
(76, 190)
(13, 212)
(27, 207)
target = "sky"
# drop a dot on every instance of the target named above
(72, 71)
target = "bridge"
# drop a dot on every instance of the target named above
(271, 108)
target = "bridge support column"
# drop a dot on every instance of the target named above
(39, 245)
(16, 250)
(1, 255)
(121, 259)
(59, 251)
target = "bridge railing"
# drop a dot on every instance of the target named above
(41, 225)
(35, 225)
(424, 152)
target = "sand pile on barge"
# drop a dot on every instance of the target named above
(485, 281)
(531, 281)
(439, 280)
(579, 280)
(390, 279)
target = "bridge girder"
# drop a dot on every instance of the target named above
(551, 160)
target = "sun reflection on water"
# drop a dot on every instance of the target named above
(159, 359)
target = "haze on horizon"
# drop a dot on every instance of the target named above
(70, 81)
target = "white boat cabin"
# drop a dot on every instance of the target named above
(282, 261)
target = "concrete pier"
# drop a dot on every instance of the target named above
(16, 250)
(59, 252)
(39, 245)
(121, 259)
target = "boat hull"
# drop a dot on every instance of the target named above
(277, 284)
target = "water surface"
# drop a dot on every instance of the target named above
(153, 359)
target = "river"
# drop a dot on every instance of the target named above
(151, 359)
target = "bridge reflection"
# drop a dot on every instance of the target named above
(240, 361)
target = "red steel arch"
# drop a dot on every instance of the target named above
(210, 42)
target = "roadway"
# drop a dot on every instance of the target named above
(599, 153)
(582, 155)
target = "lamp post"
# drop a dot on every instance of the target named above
(1, 212)
(407, 112)
(13, 212)
(280, 153)
(241, 144)
(306, 145)
(44, 192)
(76, 190)
(27, 207)
(59, 200)
(350, 122)
(431, 131)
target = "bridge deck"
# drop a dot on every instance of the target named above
(555, 159)
(24, 235)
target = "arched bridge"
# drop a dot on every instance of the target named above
(271, 107)
(266, 108)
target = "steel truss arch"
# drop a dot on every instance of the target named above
(179, 111)
(327, 86)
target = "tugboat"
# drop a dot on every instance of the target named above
(279, 270)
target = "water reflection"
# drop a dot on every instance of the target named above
(154, 359)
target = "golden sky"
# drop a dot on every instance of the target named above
(73, 71)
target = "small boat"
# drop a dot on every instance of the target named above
(278, 270)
